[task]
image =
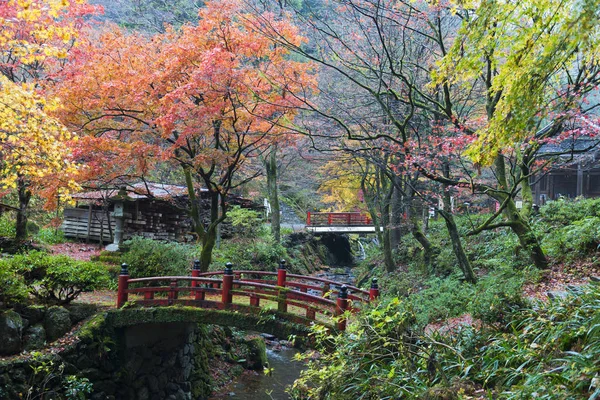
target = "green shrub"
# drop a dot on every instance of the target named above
(442, 299)
(246, 223)
(50, 236)
(496, 296)
(12, 286)
(547, 351)
(258, 255)
(564, 211)
(7, 225)
(575, 239)
(147, 258)
(57, 279)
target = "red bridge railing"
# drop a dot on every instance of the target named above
(338, 219)
(192, 290)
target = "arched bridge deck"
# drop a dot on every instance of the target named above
(225, 290)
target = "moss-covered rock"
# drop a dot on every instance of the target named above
(257, 352)
(11, 331)
(34, 314)
(34, 337)
(57, 322)
(79, 312)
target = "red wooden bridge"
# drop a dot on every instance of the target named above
(219, 289)
(339, 222)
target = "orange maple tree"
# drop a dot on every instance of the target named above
(208, 98)
(35, 39)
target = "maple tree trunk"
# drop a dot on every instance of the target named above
(396, 218)
(271, 167)
(429, 250)
(208, 244)
(518, 224)
(24, 198)
(385, 222)
(463, 262)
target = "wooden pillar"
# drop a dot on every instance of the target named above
(254, 300)
(342, 306)
(579, 180)
(123, 286)
(226, 295)
(374, 291)
(308, 218)
(172, 294)
(89, 225)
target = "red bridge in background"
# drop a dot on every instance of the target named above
(248, 288)
(339, 222)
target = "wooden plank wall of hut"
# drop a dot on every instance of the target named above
(155, 220)
(83, 223)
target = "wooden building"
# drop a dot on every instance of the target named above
(577, 173)
(151, 210)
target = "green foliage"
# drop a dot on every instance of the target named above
(7, 225)
(77, 388)
(546, 351)
(259, 255)
(570, 229)
(50, 236)
(56, 279)
(564, 211)
(246, 223)
(497, 295)
(148, 258)
(442, 299)
(13, 289)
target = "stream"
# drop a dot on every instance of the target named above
(258, 386)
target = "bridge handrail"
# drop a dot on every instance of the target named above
(338, 219)
(280, 290)
(308, 278)
(309, 297)
(312, 298)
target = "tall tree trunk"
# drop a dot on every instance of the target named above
(24, 197)
(272, 187)
(209, 238)
(518, 224)
(463, 261)
(385, 221)
(397, 213)
(429, 250)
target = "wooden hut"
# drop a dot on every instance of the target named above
(151, 210)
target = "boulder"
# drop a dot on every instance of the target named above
(34, 337)
(57, 322)
(257, 353)
(79, 312)
(11, 332)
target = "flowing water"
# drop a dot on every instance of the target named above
(258, 386)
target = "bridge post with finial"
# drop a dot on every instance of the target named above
(342, 306)
(281, 278)
(281, 274)
(198, 294)
(374, 291)
(123, 285)
(226, 295)
(195, 272)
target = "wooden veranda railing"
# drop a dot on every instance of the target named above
(206, 291)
